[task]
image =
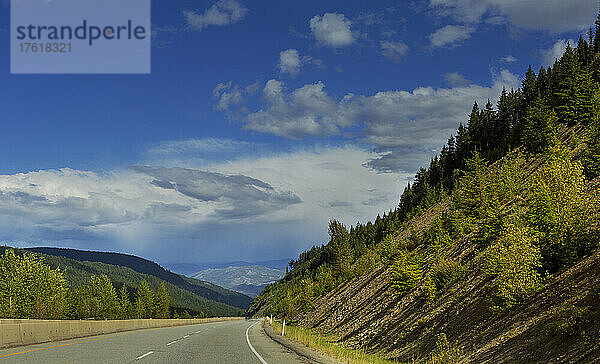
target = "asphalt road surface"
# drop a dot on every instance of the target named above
(242, 341)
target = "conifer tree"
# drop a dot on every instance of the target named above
(162, 301)
(540, 127)
(144, 301)
(126, 308)
(102, 290)
(566, 93)
(340, 248)
(529, 88)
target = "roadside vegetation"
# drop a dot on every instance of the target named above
(517, 182)
(326, 346)
(30, 288)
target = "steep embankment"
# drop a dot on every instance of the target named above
(197, 287)
(506, 268)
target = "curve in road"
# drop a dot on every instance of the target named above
(221, 342)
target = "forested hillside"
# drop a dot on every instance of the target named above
(491, 253)
(144, 266)
(76, 282)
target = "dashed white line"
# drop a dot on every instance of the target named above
(145, 355)
(186, 336)
(252, 347)
(172, 342)
(197, 332)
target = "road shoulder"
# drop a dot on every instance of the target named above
(298, 348)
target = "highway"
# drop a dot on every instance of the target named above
(242, 341)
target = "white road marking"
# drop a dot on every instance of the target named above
(145, 355)
(186, 336)
(252, 347)
(172, 342)
(197, 332)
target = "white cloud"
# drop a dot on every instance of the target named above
(223, 12)
(289, 61)
(450, 36)
(456, 79)
(332, 30)
(508, 59)
(279, 204)
(556, 51)
(395, 51)
(406, 123)
(549, 15)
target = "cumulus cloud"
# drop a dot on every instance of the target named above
(395, 51)
(398, 124)
(223, 12)
(550, 15)
(332, 30)
(289, 61)
(450, 36)
(228, 95)
(549, 56)
(250, 205)
(455, 79)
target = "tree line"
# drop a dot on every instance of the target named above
(29, 288)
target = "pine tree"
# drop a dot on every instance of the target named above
(144, 301)
(569, 70)
(103, 292)
(126, 308)
(539, 132)
(529, 88)
(162, 301)
(340, 248)
(471, 195)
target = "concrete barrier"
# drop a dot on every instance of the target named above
(19, 332)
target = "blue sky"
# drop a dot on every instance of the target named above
(259, 121)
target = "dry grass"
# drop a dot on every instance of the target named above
(323, 345)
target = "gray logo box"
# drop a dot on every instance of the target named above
(80, 36)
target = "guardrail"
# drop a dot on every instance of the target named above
(19, 332)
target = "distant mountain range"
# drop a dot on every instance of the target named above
(249, 280)
(189, 293)
(189, 269)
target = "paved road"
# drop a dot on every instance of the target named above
(220, 342)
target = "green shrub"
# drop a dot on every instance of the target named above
(569, 320)
(562, 211)
(514, 262)
(447, 272)
(407, 273)
(445, 353)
